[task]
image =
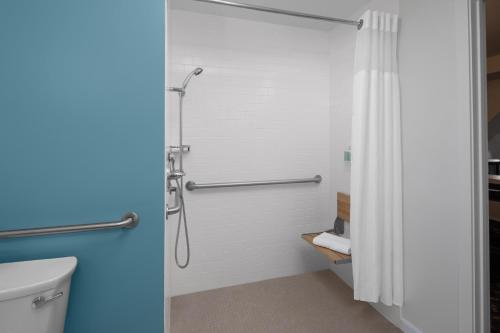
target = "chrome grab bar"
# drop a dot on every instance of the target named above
(190, 185)
(128, 221)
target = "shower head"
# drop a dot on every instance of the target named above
(182, 91)
(196, 71)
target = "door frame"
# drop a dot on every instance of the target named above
(479, 249)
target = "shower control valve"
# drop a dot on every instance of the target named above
(176, 174)
(177, 206)
(177, 149)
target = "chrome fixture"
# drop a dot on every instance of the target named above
(177, 206)
(196, 71)
(175, 174)
(128, 221)
(41, 300)
(182, 90)
(176, 149)
(358, 24)
(174, 89)
(191, 186)
(175, 177)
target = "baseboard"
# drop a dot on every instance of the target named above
(408, 327)
(392, 314)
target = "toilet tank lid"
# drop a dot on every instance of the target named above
(22, 278)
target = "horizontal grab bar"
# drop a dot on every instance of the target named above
(129, 221)
(190, 185)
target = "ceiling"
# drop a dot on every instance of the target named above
(333, 8)
(493, 27)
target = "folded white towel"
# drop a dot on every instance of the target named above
(332, 242)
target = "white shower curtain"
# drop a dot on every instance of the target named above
(376, 193)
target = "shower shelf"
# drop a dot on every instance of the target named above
(334, 256)
(344, 213)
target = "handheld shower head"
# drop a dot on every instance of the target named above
(182, 91)
(196, 71)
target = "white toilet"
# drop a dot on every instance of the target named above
(34, 295)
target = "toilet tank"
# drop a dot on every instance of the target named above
(34, 295)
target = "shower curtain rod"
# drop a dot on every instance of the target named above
(358, 24)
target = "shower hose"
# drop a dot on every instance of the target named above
(182, 218)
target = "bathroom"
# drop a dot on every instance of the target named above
(212, 139)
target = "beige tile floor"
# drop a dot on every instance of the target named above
(318, 302)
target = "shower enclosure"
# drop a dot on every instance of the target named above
(259, 140)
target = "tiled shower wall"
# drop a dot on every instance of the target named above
(342, 43)
(260, 110)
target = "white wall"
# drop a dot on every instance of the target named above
(436, 162)
(342, 45)
(260, 110)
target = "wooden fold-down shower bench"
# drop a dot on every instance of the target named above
(343, 211)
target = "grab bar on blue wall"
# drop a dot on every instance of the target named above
(128, 221)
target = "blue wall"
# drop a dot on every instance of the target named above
(81, 140)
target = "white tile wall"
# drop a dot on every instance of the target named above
(260, 110)
(342, 43)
